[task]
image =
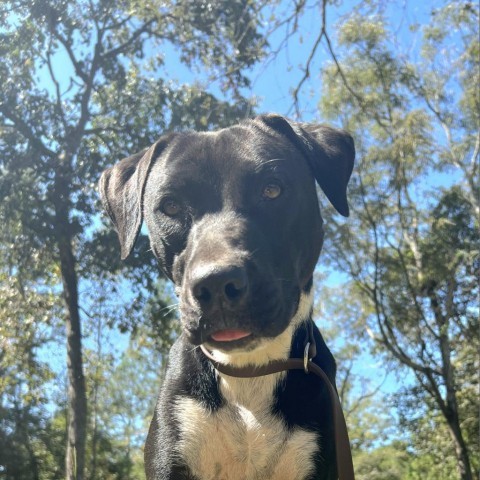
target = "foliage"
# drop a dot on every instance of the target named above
(411, 248)
(122, 392)
(385, 462)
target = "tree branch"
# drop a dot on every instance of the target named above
(135, 35)
(306, 75)
(57, 86)
(388, 336)
(24, 129)
(68, 47)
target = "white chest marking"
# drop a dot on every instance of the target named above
(235, 443)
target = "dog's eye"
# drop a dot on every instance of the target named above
(170, 207)
(272, 191)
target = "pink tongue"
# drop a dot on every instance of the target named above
(230, 335)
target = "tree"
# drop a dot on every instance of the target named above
(411, 246)
(84, 83)
(23, 374)
(122, 390)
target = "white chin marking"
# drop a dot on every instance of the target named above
(269, 349)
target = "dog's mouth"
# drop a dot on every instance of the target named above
(231, 339)
(230, 335)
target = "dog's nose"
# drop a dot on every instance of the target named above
(215, 285)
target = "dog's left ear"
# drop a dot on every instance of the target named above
(330, 153)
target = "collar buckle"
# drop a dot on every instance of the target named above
(305, 358)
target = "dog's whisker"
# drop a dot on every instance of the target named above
(196, 347)
(169, 309)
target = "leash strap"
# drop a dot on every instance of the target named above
(342, 444)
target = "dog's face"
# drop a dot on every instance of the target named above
(233, 219)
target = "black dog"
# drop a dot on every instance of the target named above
(233, 219)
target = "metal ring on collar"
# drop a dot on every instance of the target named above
(305, 357)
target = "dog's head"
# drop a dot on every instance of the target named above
(233, 219)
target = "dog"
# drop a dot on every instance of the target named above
(234, 221)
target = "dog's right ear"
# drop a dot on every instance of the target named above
(121, 190)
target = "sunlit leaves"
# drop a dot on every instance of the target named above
(411, 244)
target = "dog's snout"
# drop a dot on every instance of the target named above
(214, 286)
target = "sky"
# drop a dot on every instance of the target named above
(273, 82)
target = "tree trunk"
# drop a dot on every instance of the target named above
(94, 405)
(451, 415)
(21, 420)
(461, 452)
(77, 398)
(450, 406)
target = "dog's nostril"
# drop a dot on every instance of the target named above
(203, 295)
(232, 292)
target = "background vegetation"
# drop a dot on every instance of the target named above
(84, 338)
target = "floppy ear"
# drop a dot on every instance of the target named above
(121, 190)
(329, 151)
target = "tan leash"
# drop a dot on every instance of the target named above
(342, 443)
